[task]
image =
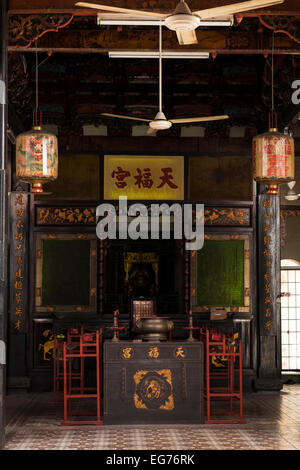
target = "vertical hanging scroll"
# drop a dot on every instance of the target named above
(18, 263)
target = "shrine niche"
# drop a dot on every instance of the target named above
(66, 273)
(141, 274)
(144, 177)
(220, 274)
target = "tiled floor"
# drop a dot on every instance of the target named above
(273, 423)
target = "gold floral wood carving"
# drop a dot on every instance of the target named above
(66, 216)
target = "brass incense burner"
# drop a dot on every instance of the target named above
(153, 328)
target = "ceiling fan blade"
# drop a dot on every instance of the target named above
(121, 10)
(198, 119)
(151, 131)
(186, 37)
(235, 8)
(125, 117)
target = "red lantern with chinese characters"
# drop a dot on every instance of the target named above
(273, 159)
(36, 158)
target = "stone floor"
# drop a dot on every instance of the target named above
(272, 423)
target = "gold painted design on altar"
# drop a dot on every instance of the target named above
(153, 352)
(127, 353)
(153, 390)
(180, 352)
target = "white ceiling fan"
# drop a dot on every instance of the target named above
(182, 19)
(160, 122)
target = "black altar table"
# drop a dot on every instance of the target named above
(147, 382)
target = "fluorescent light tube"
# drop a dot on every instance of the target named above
(155, 55)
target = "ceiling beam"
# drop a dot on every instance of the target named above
(230, 41)
(290, 7)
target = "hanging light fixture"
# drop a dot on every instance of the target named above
(36, 151)
(273, 152)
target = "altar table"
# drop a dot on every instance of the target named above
(153, 382)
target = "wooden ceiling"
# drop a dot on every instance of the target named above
(77, 80)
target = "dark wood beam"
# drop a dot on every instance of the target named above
(288, 7)
(231, 41)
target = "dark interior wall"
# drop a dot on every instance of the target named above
(220, 178)
(209, 177)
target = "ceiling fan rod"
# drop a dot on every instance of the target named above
(160, 68)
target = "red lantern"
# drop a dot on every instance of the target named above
(36, 158)
(273, 159)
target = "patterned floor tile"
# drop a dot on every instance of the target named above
(272, 423)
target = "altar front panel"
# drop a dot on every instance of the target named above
(153, 382)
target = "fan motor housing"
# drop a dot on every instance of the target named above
(160, 124)
(182, 22)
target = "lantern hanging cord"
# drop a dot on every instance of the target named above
(36, 83)
(160, 68)
(272, 67)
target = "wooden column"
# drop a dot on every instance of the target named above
(187, 255)
(269, 334)
(3, 210)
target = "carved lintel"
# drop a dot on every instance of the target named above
(288, 25)
(23, 30)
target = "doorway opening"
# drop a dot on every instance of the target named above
(290, 315)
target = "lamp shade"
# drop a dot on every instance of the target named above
(273, 159)
(36, 158)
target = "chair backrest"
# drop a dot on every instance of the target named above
(142, 308)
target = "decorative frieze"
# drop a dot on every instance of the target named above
(222, 216)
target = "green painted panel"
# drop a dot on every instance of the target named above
(220, 273)
(66, 272)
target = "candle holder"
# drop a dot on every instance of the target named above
(116, 328)
(190, 328)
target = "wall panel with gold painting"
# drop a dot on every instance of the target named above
(66, 272)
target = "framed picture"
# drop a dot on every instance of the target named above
(66, 273)
(220, 274)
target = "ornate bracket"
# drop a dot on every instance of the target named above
(23, 30)
(288, 25)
